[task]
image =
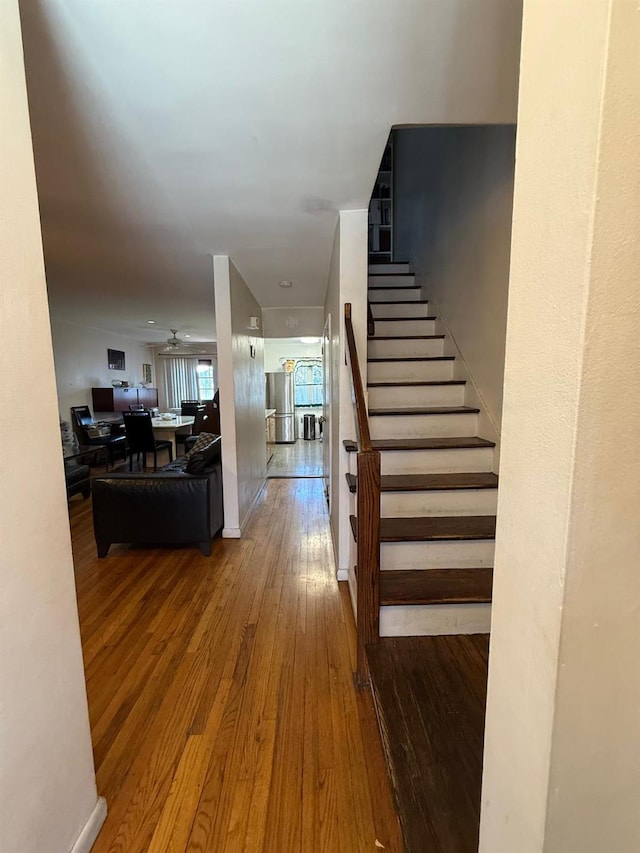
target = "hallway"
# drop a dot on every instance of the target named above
(302, 459)
(222, 705)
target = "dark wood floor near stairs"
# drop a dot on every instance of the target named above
(430, 694)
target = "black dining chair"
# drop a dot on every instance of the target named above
(199, 425)
(84, 424)
(190, 407)
(140, 438)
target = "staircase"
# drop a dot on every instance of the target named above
(438, 492)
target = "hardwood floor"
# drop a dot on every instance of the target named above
(222, 706)
(430, 693)
(302, 459)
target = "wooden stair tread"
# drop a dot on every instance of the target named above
(398, 301)
(392, 287)
(430, 482)
(424, 410)
(438, 528)
(442, 443)
(369, 274)
(430, 383)
(430, 697)
(401, 319)
(406, 338)
(436, 586)
(413, 358)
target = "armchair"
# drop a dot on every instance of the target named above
(88, 433)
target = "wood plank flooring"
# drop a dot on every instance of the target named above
(302, 459)
(430, 694)
(221, 700)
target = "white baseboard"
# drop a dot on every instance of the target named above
(92, 827)
(231, 533)
(342, 575)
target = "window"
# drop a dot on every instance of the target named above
(180, 380)
(188, 378)
(206, 379)
(307, 380)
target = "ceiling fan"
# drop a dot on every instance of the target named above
(176, 346)
(174, 342)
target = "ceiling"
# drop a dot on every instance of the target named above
(168, 132)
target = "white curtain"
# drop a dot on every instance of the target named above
(181, 380)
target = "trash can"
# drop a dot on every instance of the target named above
(309, 427)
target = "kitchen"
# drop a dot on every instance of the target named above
(293, 368)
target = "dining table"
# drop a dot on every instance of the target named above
(165, 428)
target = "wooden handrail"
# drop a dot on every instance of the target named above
(371, 323)
(368, 517)
(359, 402)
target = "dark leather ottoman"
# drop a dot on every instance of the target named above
(77, 478)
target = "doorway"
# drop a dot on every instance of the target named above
(294, 381)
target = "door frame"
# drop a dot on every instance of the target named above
(327, 386)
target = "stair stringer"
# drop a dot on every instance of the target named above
(487, 426)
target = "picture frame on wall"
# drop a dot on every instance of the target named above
(146, 374)
(115, 359)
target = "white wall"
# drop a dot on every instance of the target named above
(277, 348)
(47, 784)
(285, 322)
(452, 216)
(80, 356)
(562, 753)
(242, 392)
(347, 283)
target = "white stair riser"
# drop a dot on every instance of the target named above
(391, 280)
(387, 268)
(395, 294)
(409, 371)
(429, 620)
(472, 553)
(401, 328)
(453, 502)
(400, 309)
(403, 348)
(423, 426)
(473, 460)
(416, 395)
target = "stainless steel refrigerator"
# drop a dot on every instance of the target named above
(280, 397)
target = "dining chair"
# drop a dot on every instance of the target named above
(199, 425)
(140, 438)
(136, 407)
(190, 407)
(83, 421)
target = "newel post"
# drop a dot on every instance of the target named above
(368, 549)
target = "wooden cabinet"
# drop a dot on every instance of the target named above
(119, 399)
(147, 397)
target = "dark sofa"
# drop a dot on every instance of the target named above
(168, 507)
